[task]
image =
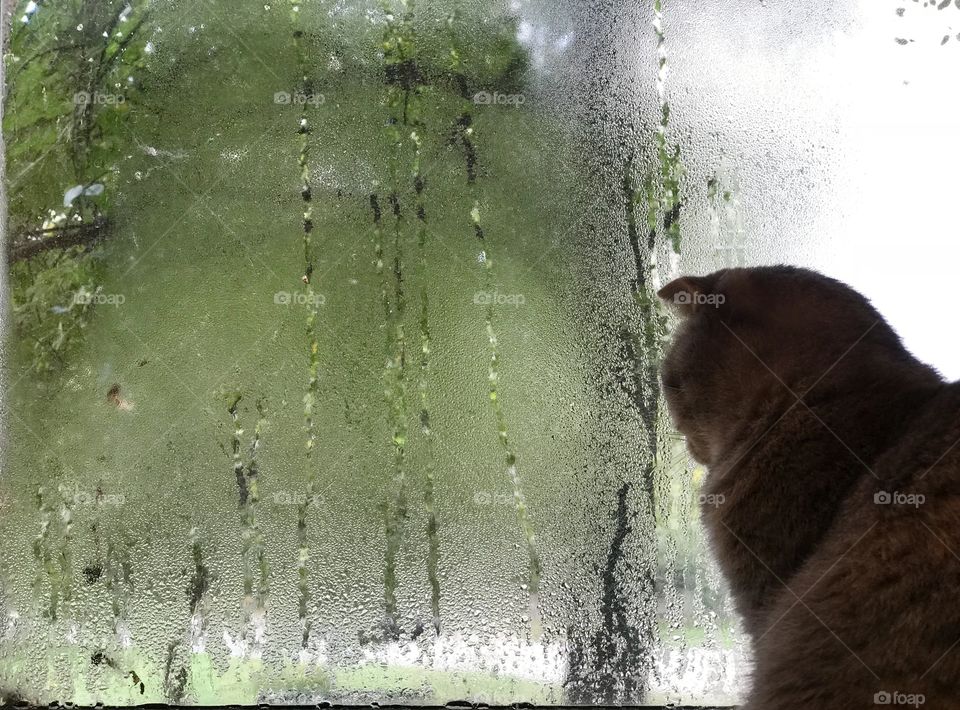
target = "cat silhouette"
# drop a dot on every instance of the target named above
(832, 498)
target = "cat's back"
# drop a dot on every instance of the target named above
(876, 603)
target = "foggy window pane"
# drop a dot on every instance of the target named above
(331, 344)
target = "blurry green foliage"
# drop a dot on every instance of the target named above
(72, 69)
(52, 301)
(477, 40)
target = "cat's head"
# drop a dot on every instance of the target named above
(763, 337)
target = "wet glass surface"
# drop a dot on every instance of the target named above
(332, 346)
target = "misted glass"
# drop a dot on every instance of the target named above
(332, 344)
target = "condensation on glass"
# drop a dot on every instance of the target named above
(332, 340)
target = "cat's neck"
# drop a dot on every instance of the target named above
(781, 486)
(864, 408)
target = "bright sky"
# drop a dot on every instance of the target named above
(845, 145)
(901, 244)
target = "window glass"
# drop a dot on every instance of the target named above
(331, 341)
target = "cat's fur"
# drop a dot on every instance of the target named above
(808, 412)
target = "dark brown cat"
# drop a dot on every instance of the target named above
(832, 499)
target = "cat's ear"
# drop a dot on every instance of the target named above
(686, 294)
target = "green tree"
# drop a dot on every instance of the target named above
(71, 72)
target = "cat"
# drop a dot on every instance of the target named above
(832, 495)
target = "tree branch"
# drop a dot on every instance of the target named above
(28, 244)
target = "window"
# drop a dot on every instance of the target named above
(331, 343)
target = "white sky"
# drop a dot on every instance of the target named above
(845, 146)
(903, 176)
